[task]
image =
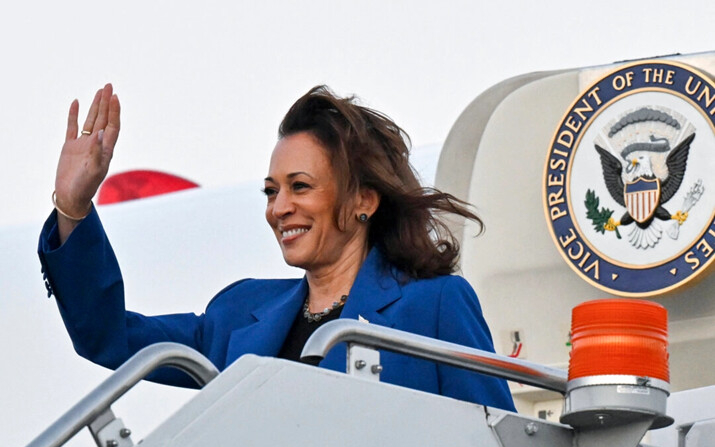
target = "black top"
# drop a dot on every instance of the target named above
(299, 333)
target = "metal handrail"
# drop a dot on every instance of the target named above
(125, 377)
(379, 337)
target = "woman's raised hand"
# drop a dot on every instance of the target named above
(84, 160)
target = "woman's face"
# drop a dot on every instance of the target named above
(302, 190)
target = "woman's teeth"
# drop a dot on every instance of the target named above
(293, 232)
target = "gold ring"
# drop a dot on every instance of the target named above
(86, 132)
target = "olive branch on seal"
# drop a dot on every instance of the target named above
(598, 218)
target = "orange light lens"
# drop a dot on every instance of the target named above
(619, 336)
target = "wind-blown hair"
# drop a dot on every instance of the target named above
(368, 150)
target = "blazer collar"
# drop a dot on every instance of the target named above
(286, 304)
(274, 318)
(375, 288)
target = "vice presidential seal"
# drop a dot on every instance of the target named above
(629, 184)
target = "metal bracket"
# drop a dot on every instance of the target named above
(697, 434)
(363, 362)
(109, 431)
(513, 430)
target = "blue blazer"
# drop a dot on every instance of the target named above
(254, 316)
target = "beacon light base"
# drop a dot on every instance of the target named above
(610, 400)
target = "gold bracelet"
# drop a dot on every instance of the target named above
(76, 219)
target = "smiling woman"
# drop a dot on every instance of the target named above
(302, 192)
(344, 205)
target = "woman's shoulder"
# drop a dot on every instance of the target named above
(438, 290)
(451, 281)
(253, 289)
(441, 282)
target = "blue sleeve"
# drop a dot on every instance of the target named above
(84, 275)
(461, 321)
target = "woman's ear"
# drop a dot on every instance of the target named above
(368, 200)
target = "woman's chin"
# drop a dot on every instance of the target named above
(294, 260)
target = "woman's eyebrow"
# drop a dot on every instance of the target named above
(290, 176)
(294, 174)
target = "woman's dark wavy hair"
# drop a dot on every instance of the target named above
(368, 150)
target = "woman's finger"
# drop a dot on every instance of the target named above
(92, 114)
(101, 121)
(72, 125)
(111, 132)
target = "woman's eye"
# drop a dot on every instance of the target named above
(269, 191)
(300, 185)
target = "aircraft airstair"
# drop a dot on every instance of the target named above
(260, 401)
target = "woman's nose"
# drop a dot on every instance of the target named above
(283, 204)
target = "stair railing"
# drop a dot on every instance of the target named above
(94, 410)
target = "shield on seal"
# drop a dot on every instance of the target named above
(642, 198)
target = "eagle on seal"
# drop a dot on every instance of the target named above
(643, 182)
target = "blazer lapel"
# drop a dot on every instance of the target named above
(375, 288)
(273, 321)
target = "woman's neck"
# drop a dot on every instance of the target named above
(327, 284)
